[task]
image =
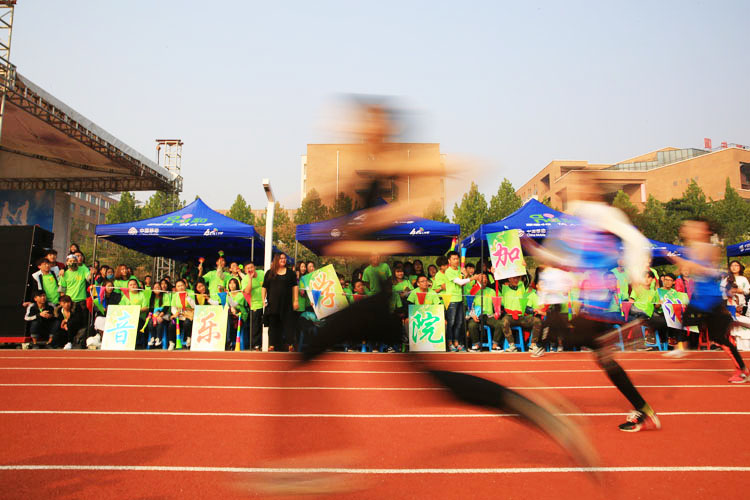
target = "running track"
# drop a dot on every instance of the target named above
(155, 424)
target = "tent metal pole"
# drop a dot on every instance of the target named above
(252, 249)
(295, 252)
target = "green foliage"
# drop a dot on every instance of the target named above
(434, 211)
(312, 209)
(241, 211)
(504, 202)
(655, 223)
(731, 215)
(161, 203)
(622, 201)
(342, 205)
(284, 230)
(693, 203)
(125, 210)
(472, 212)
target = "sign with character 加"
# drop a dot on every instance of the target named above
(505, 253)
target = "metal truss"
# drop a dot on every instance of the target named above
(7, 70)
(141, 176)
(81, 184)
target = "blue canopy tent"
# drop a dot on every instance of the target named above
(738, 249)
(534, 219)
(191, 232)
(429, 237)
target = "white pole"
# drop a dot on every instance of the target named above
(269, 242)
(337, 174)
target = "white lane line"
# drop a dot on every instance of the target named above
(346, 470)
(43, 385)
(367, 372)
(344, 415)
(458, 359)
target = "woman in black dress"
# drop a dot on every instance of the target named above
(280, 294)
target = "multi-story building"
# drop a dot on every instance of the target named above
(331, 168)
(87, 210)
(664, 174)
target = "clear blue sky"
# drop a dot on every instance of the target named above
(517, 84)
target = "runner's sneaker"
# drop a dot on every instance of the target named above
(512, 348)
(639, 421)
(739, 377)
(538, 352)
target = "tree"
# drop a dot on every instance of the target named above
(434, 211)
(342, 205)
(655, 223)
(622, 201)
(125, 210)
(731, 214)
(312, 209)
(693, 203)
(283, 228)
(240, 211)
(505, 202)
(472, 212)
(161, 203)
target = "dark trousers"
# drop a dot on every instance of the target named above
(454, 317)
(281, 329)
(717, 322)
(658, 324)
(186, 329)
(555, 324)
(476, 329)
(255, 327)
(42, 328)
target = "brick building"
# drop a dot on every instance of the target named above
(664, 174)
(87, 210)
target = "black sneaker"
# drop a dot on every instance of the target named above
(639, 421)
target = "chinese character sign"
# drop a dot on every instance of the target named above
(506, 255)
(120, 328)
(326, 293)
(426, 328)
(209, 328)
(673, 309)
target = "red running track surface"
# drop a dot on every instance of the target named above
(151, 424)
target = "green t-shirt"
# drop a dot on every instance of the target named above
(241, 306)
(622, 283)
(74, 283)
(438, 280)
(140, 299)
(256, 297)
(374, 276)
(455, 290)
(396, 301)
(483, 302)
(50, 287)
(213, 282)
(514, 300)
(431, 299)
(644, 300)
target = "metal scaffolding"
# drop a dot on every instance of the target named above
(7, 70)
(169, 156)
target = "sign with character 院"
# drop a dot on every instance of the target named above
(426, 328)
(209, 328)
(120, 328)
(325, 292)
(506, 255)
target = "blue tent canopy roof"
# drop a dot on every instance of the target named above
(738, 249)
(534, 219)
(429, 237)
(191, 232)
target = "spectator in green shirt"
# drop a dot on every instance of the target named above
(401, 290)
(658, 323)
(423, 287)
(514, 302)
(375, 275)
(455, 279)
(215, 278)
(251, 285)
(73, 283)
(482, 313)
(46, 281)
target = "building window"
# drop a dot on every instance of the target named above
(745, 175)
(86, 225)
(83, 210)
(101, 218)
(72, 208)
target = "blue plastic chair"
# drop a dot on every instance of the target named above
(620, 343)
(662, 346)
(487, 344)
(521, 344)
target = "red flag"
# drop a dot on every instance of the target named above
(182, 298)
(125, 292)
(496, 303)
(677, 308)
(626, 309)
(475, 288)
(248, 298)
(420, 297)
